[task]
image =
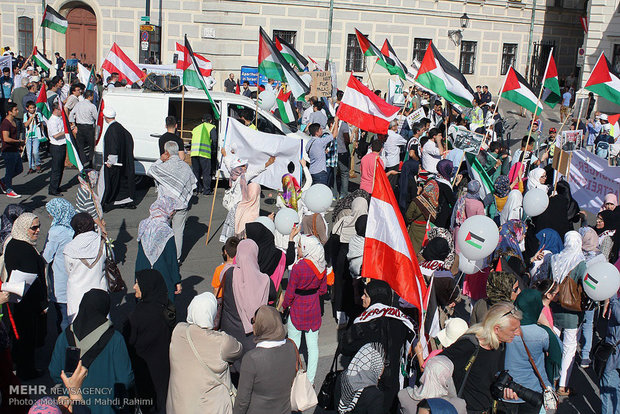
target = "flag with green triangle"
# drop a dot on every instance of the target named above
(399, 68)
(369, 49)
(518, 91)
(290, 54)
(54, 20)
(551, 94)
(41, 103)
(40, 60)
(72, 150)
(603, 82)
(284, 107)
(193, 77)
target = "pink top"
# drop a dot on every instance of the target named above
(473, 208)
(548, 314)
(367, 168)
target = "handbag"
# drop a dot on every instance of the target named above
(550, 398)
(112, 273)
(600, 355)
(232, 391)
(220, 304)
(569, 294)
(327, 392)
(303, 396)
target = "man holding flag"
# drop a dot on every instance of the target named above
(57, 149)
(84, 117)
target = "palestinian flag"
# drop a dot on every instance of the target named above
(41, 61)
(443, 78)
(274, 66)
(41, 103)
(399, 68)
(369, 49)
(72, 152)
(296, 59)
(54, 20)
(614, 121)
(603, 82)
(284, 107)
(551, 95)
(518, 91)
(192, 76)
(477, 172)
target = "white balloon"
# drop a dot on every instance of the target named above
(285, 219)
(469, 267)
(535, 202)
(477, 237)
(602, 281)
(266, 100)
(318, 198)
(267, 222)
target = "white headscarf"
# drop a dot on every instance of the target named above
(565, 261)
(513, 209)
(345, 227)
(312, 249)
(202, 310)
(533, 179)
(436, 382)
(21, 226)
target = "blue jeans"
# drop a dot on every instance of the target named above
(319, 178)
(586, 332)
(610, 392)
(62, 319)
(344, 161)
(312, 343)
(13, 166)
(32, 149)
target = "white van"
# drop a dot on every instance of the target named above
(143, 114)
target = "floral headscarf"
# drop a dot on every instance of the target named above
(61, 211)
(155, 231)
(510, 235)
(447, 236)
(502, 186)
(21, 226)
(11, 212)
(291, 191)
(428, 201)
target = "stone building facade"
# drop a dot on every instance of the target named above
(226, 31)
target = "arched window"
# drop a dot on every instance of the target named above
(25, 38)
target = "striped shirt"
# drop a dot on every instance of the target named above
(84, 203)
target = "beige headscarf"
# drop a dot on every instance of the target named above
(345, 226)
(268, 325)
(436, 382)
(21, 226)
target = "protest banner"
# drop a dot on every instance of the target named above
(591, 178)
(415, 116)
(257, 147)
(320, 84)
(395, 92)
(250, 74)
(571, 140)
(466, 140)
(7, 62)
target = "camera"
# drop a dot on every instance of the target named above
(504, 380)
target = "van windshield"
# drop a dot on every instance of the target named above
(263, 124)
(193, 112)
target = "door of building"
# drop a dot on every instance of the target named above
(81, 35)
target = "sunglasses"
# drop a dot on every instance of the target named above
(512, 311)
(35, 228)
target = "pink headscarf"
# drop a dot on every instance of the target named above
(610, 198)
(248, 209)
(515, 173)
(250, 286)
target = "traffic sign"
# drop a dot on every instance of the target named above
(144, 36)
(145, 18)
(147, 27)
(581, 57)
(144, 46)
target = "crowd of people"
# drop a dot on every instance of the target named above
(510, 348)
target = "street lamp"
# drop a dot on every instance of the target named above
(464, 20)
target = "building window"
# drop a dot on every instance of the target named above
(509, 55)
(287, 35)
(468, 57)
(419, 48)
(558, 3)
(24, 28)
(615, 60)
(355, 58)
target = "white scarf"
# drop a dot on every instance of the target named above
(378, 310)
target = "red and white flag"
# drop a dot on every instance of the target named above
(584, 24)
(388, 253)
(204, 64)
(362, 108)
(117, 61)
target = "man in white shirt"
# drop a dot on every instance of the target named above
(57, 149)
(305, 118)
(432, 150)
(84, 117)
(391, 147)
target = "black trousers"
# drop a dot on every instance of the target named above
(85, 141)
(58, 153)
(202, 168)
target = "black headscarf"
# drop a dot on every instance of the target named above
(347, 201)
(407, 177)
(268, 254)
(563, 190)
(152, 286)
(379, 291)
(82, 223)
(360, 225)
(11, 212)
(92, 313)
(436, 249)
(610, 219)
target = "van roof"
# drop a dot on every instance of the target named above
(192, 94)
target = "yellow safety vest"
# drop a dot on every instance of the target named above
(201, 140)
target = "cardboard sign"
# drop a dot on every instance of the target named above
(320, 84)
(415, 116)
(571, 140)
(466, 140)
(561, 161)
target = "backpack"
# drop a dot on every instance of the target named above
(602, 149)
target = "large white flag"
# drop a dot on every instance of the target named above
(257, 147)
(591, 179)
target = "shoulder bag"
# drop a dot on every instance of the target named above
(220, 303)
(232, 392)
(570, 293)
(600, 355)
(474, 340)
(327, 392)
(112, 273)
(303, 396)
(550, 398)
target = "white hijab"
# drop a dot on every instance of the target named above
(436, 382)
(312, 249)
(533, 179)
(345, 227)
(513, 209)
(202, 310)
(565, 261)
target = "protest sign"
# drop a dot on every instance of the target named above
(415, 116)
(561, 161)
(320, 84)
(250, 74)
(591, 178)
(7, 62)
(466, 140)
(395, 92)
(257, 147)
(571, 140)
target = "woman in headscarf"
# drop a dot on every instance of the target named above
(306, 284)
(147, 334)
(449, 262)
(291, 191)
(359, 389)
(260, 391)
(610, 202)
(606, 227)
(447, 198)
(355, 255)
(468, 205)
(436, 382)
(102, 351)
(407, 184)
(501, 287)
(508, 250)
(515, 176)
(570, 262)
(248, 209)
(156, 247)
(199, 362)
(11, 212)
(422, 209)
(502, 189)
(58, 236)
(381, 322)
(536, 179)
(345, 203)
(245, 289)
(87, 200)
(549, 243)
(513, 209)
(85, 260)
(572, 208)
(544, 349)
(20, 255)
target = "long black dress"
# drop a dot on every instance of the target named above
(30, 321)
(119, 180)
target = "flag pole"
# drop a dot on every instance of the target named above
(182, 108)
(559, 134)
(370, 76)
(529, 135)
(217, 181)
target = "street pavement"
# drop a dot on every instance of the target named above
(199, 260)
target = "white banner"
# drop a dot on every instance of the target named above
(591, 178)
(415, 116)
(257, 147)
(395, 92)
(7, 62)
